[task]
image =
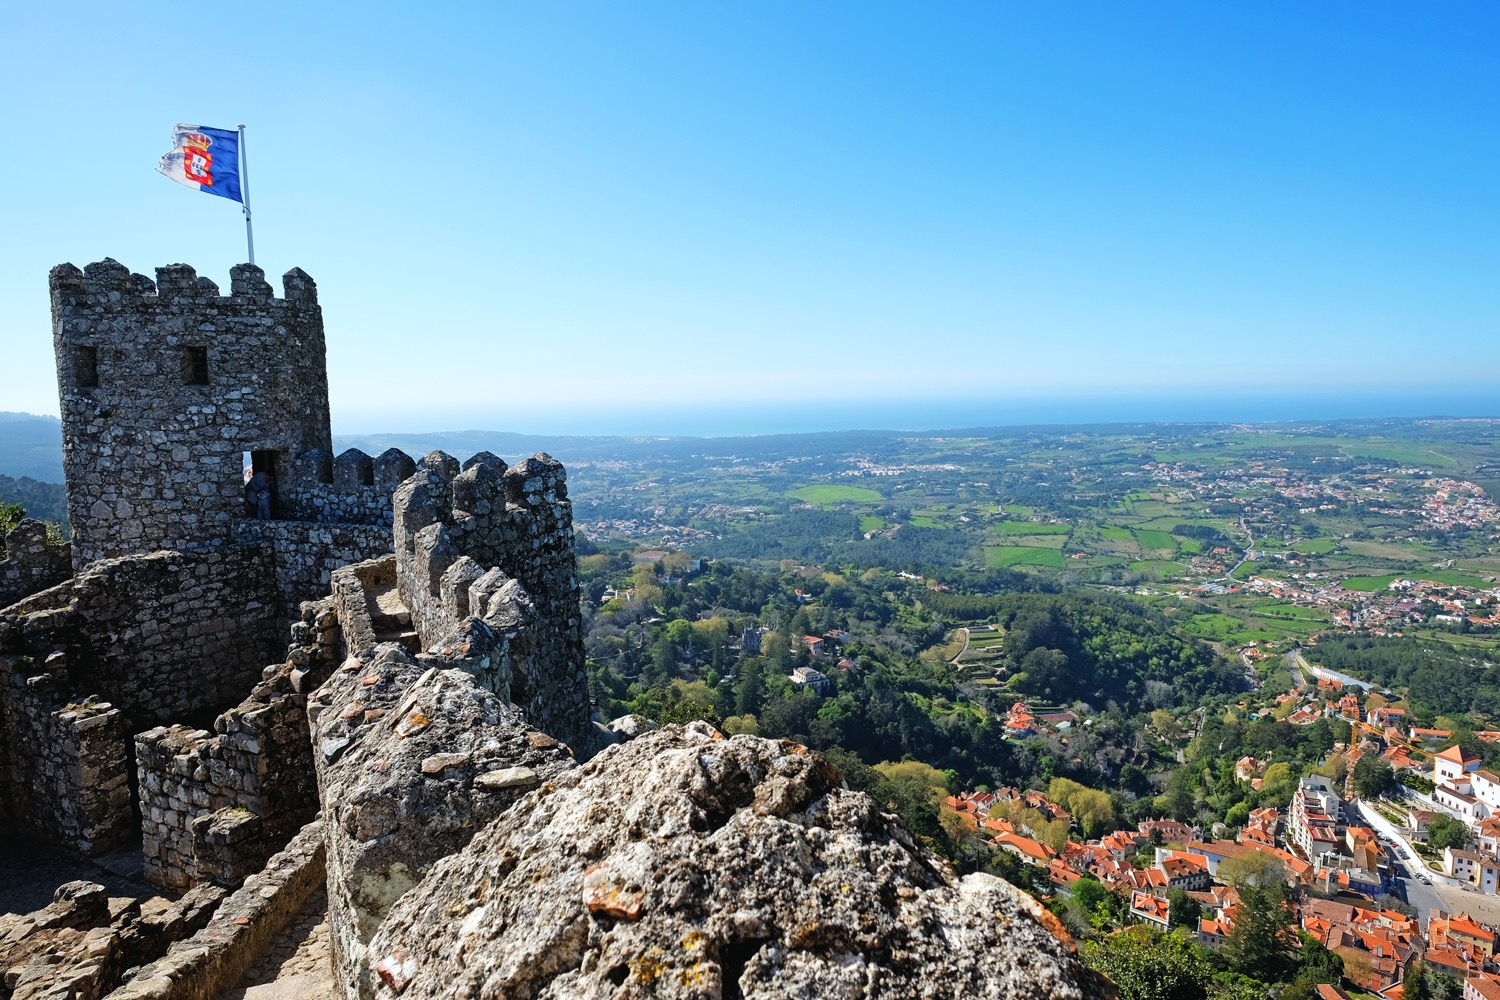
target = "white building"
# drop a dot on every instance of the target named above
(1315, 823)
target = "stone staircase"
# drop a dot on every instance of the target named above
(390, 619)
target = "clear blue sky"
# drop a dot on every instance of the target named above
(525, 216)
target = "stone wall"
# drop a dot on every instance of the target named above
(165, 386)
(30, 563)
(215, 806)
(162, 636)
(66, 773)
(355, 590)
(352, 488)
(304, 554)
(126, 644)
(213, 961)
(82, 945)
(463, 537)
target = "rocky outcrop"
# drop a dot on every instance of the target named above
(414, 755)
(684, 864)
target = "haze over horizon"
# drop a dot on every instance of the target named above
(673, 219)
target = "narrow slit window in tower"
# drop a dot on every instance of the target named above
(86, 367)
(195, 366)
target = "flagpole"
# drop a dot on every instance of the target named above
(245, 196)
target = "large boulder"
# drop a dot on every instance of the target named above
(684, 864)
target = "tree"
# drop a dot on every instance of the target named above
(735, 725)
(1183, 910)
(1445, 831)
(1260, 943)
(1091, 894)
(915, 792)
(1424, 982)
(749, 688)
(1145, 965)
(1373, 777)
(1257, 869)
(1093, 810)
(11, 515)
(1315, 963)
(1276, 774)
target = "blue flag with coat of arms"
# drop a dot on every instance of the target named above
(205, 158)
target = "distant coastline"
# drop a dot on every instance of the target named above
(813, 415)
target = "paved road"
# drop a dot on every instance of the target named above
(961, 652)
(1425, 897)
(1293, 662)
(1249, 547)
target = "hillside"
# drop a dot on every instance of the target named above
(30, 446)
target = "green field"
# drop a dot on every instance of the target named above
(922, 521)
(1315, 546)
(1118, 534)
(1227, 629)
(828, 493)
(1402, 551)
(1031, 528)
(1278, 610)
(1370, 584)
(1001, 556)
(1162, 568)
(986, 642)
(1155, 539)
(1038, 541)
(871, 523)
(1246, 570)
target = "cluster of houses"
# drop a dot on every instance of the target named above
(1021, 722)
(1342, 865)
(1458, 502)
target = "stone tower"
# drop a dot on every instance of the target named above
(169, 390)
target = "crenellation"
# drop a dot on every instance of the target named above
(353, 469)
(424, 499)
(108, 279)
(486, 458)
(392, 468)
(175, 281)
(298, 287)
(440, 463)
(315, 465)
(480, 489)
(249, 282)
(454, 588)
(517, 523)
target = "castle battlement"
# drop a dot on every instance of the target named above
(111, 285)
(169, 390)
(496, 542)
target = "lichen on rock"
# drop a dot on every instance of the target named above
(684, 864)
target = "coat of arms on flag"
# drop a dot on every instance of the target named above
(205, 158)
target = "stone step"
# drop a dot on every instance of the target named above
(387, 612)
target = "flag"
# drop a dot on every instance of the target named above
(205, 158)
